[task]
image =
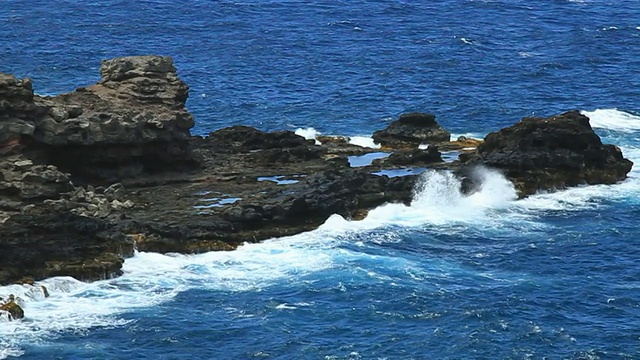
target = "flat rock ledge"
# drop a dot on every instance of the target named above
(89, 176)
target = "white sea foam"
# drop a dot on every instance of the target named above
(613, 119)
(364, 141)
(308, 133)
(150, 279)
(73, 306)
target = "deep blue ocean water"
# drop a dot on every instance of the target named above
(554, 276)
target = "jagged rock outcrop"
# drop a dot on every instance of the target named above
(551, 153)
(59, 155)
(133, 121)
(17, 112)
(139, 100)
(412, 130)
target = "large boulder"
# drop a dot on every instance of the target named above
(412, 130)
(550, 153)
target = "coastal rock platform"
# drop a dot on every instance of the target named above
(88, 177)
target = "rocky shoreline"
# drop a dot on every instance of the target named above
(89, 176)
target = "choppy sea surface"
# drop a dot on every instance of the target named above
(555, 276)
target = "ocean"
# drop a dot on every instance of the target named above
(553, 276)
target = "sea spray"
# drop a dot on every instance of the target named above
(437, 200)
(308, 133)
(437, 188)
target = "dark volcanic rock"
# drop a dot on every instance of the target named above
(198, 220)
(411, 130)
(416, 157)
(133, 121)
(242, 138)
(139, 100)
(43, 242)
(550, 153)
(21, 179)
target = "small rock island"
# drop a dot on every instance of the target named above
(89, 176)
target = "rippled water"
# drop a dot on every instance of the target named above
(488, 277)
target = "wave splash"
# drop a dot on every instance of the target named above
(438, 201)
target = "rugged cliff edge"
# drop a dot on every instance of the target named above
(87, 177)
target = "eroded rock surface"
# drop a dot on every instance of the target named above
(133, 121)
(59, 155)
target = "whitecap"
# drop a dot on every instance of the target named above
(363, 141)
(286, 306)
(613, 119)
(7, 351)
